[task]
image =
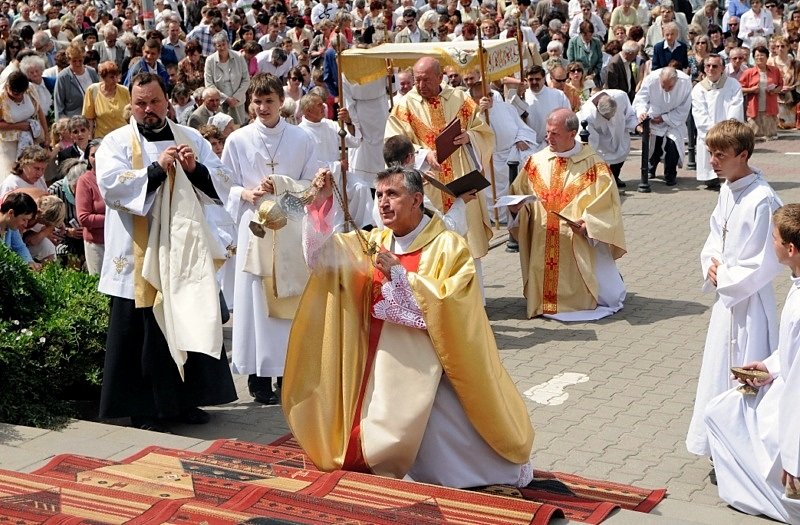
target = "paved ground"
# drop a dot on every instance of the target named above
(626, 423)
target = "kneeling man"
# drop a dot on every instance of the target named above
(570, 236)
(355, 394)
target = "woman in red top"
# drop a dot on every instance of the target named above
(91, 214)
(761, 85)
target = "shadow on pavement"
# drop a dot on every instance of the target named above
(515, 338)
(641, 310)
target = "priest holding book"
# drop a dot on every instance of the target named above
(423, 114)
(571, 234)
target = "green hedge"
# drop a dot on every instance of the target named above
(53, 328)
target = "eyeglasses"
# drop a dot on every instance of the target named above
(576, 70)
(559, 80)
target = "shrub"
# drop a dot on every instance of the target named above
(52, 340)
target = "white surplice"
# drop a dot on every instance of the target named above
(754, 438)
(325, 134)
(743, 325)
(259, 341)
(368, 105)
(673, 106)
(710, 106)
(539, 106)
(509, 129)
(610, 138)
(124, 190)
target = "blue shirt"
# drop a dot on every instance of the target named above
(13, 240)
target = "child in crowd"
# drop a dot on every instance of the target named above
(16, 211)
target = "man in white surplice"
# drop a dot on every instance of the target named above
(514, 141)
(715, 98)
(368, 106)
(738, 263)
(164, 353)
(665, 98)
(267, 158)
(755, 440)
(611, 119)
(325, 133)
(537, 102)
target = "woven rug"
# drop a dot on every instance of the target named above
(240, 482)
(580, 499)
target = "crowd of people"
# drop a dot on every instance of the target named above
(161, 159)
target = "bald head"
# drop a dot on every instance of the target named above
(428, 77)
(561, 127)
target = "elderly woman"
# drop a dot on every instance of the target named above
(761, 85)
(666, 16)
(33, 67)
(91, 210)
(227, 72)
(105, 101)
(555, 56)
(587, 50)
(624, 15)
(587, 15)
(20, 116)
(191, 70)
(790, 69)
(72, 83)
(28, 171)
(65, 189)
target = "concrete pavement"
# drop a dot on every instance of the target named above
(630, 379)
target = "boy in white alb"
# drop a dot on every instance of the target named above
(739, 264)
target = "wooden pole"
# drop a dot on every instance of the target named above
(485, 89)
(519, 49)
(389, 69)
(342, 126)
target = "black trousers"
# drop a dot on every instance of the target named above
(140, 377)
(616, 169)
(667, 147)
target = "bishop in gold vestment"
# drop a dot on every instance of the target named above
(421, 116)
(568, 274)
(418, 392)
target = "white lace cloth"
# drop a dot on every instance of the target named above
(399, 305)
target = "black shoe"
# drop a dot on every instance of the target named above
(193, 416)
(620, 184)
(265, 397)
(671, 182)
(651, 174)
(148, 423)
(712, 477)
(512, 246)
(713, 185)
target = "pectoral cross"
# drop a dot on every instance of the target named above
(271, 165)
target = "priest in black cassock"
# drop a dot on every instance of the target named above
(164, 355)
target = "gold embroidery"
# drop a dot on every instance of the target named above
(555, 197)
(117, 205)
(125, 177)
(120, 263)
(223, 175)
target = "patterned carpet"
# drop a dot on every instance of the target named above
(240, 482)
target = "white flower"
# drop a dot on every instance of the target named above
(42, 339)
(15, 322)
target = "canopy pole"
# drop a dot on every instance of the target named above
(485, 89)
(342, 131)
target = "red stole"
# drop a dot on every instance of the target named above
(354, 457)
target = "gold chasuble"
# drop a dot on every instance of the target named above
(558, 266)
(421, 120)
(346, 393)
